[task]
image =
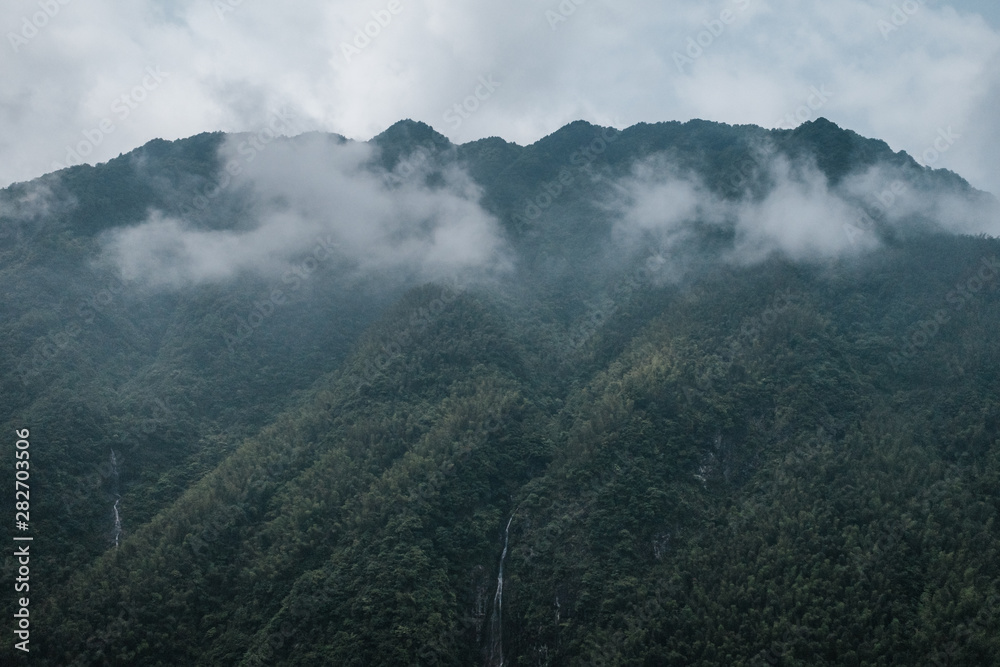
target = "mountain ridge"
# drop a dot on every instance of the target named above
(683, 450)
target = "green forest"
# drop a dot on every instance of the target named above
(667, 452)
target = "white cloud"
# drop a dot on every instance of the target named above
(610, 63)
(901, 200)
(313, 190)
(787, 208)
(799, 215)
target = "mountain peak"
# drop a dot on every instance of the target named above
(411, 132)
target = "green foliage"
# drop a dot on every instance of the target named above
(734, 468)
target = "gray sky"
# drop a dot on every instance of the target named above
(102, 77)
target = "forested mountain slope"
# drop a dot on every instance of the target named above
(680, 394)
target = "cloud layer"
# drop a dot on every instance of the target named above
(797, 214)
(78, 76)
(312, 192)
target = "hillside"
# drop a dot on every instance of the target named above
(679, 394)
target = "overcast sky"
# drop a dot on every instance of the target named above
(96, 78)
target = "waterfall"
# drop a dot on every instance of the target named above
(117, 533)
(495, 648)
(118, 521)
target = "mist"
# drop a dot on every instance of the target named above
(293, 194)
(423, 222)
(904, 201)
(28, 208)
(787, 207)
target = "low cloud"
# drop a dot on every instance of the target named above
(798, 215)
(26, 209)
(911, 200)
(316, 187)
(790, 208)
(229, 62)
(425, 222)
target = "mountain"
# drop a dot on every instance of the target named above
(678, 394)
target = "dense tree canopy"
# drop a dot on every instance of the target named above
(777, 462)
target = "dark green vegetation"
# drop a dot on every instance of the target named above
(778, 463)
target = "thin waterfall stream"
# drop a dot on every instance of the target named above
(495, 655)
(117, 532)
